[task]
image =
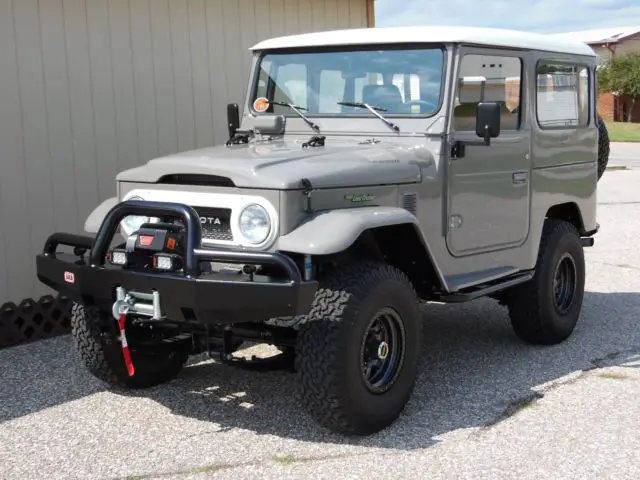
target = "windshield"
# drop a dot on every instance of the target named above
(397, 81)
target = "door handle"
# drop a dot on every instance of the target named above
(519, 178)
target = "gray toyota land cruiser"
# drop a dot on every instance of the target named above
(367, 172)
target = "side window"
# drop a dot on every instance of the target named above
(562, 98)
(488, 78)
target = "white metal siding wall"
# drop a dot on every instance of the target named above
(89, 88)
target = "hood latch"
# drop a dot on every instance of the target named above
(307, 189)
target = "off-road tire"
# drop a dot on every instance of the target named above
(101, 353)
(532, 307)
(604, 147)
(327, 357)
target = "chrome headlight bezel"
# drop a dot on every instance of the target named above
(255, 209)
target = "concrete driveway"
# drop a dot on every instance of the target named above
(625, 154)
(485, 405)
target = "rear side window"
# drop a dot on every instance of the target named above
(488, 78)
(562, 98)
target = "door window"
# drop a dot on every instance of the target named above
(562, 98)
(488, 78)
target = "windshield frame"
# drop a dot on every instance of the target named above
(259, 57)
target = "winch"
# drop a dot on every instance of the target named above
(137, 303)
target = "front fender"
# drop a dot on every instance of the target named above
(334, 231)
(94, 220)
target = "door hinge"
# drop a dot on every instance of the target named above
(455, 222)
(458, 149)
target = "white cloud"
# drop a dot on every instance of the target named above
(530, 15)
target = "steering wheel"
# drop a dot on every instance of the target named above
(431, 105)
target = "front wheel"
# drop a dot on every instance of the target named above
(546, 309)
(100, 351)
(357, 356)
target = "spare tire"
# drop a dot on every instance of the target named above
(603, 146)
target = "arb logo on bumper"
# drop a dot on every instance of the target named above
(69, 277)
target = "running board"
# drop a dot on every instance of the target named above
(486, 289)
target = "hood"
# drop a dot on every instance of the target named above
(282, 164)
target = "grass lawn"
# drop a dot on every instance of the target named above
(623, 131)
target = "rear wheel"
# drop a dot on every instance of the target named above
(357, 357)
(100, 351)
(546, 309)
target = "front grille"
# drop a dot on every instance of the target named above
(215, 223)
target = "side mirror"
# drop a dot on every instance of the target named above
(269, 124)
(233, 118)
(488, 121)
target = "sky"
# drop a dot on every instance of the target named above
(544, 16)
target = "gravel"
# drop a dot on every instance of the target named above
(485, 405)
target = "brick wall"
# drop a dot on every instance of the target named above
(622, 108)
(614, 109)
(607, 106)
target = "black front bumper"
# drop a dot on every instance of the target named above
(191, 295)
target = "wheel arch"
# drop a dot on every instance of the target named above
(569, 212)
(391, 234)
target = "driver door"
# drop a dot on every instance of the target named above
(489, 186)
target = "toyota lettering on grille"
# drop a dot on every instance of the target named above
(210, 221)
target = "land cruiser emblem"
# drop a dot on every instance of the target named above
(363, 197)
(210, 221)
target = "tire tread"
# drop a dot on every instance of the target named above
(335, 307)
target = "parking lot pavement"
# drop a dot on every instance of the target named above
(625, 154)
(485, 405)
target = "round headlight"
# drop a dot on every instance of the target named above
(132, 223)
(254, 223)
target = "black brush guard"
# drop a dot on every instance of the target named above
(190, 295)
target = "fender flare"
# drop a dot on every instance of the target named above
(333, 231)
(95, 218)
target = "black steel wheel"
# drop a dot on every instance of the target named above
(564, 283)
(382, 350)
(357, 356)
(546, 309)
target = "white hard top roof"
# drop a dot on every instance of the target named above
(425, 34)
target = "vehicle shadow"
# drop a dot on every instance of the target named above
(473, 371)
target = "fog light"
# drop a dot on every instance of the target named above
(117, 257)
(166, 262)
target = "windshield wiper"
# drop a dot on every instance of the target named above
(374, 110)
(297, 109)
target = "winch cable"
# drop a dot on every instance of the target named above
(125, 346)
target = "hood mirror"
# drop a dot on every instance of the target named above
(233, 118)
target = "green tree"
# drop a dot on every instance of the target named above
(621, 75)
